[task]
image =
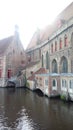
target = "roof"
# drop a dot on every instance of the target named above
(39, 71)
(66, 74)
(49, 74)
(41, 35)
(67, 13)
(56, 74)
(4, 43)
(31, 64)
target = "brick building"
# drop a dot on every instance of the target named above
(12, 57)
(55, 47)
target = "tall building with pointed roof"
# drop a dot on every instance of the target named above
(12, 57)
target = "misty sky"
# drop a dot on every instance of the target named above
(28, 15)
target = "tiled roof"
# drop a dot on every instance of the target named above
(45, 33)
(31, 64)
(67, 13)
(39, 71)
(4, 43)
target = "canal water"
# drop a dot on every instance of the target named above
(22, 109)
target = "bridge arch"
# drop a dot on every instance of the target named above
(39, 91)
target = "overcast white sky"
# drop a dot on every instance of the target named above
(28, 15)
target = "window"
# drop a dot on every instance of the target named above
(65, 41)
(64, 65)
(52, 48)
(46, 81)
(21, 53)
(64, 83)
(40, 78)
(54, 66)
(71, 84)
(29, 58)
(9, 73)
(72, 40)
(0, 73)
(47, 61)
(60, 43)
(0, 61)
(42, 61)
(54, 84)
(55, 46)
(22, 62)
(13, 51)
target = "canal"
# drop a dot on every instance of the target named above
(22, 109)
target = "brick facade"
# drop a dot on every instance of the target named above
(12, 58)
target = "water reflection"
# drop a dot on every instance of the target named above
(25, 110)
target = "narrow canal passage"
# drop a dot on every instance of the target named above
(24, 110)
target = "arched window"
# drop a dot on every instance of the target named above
(64, 65)
(54, 66)
(42, 61)
(47, 62)
(9, 73)
(65, 40)
(54, 84)
(0, 73)
(64, 83)
(72, 52)
(72, 40)
(55, 45)
(60, 47)
(52, 48)
(0, 61)
(71, 84)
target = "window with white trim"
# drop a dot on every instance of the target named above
(64, 83)
(46, 82)
(71, 84)
(54, 84)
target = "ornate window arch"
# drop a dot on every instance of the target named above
(54, 66)
(64, 65)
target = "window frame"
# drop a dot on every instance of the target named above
(65, 41)
(54, 87)
(60, 44)
(55, 45)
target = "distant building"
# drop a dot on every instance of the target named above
(12, 57)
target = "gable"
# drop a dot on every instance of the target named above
(4, 43)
